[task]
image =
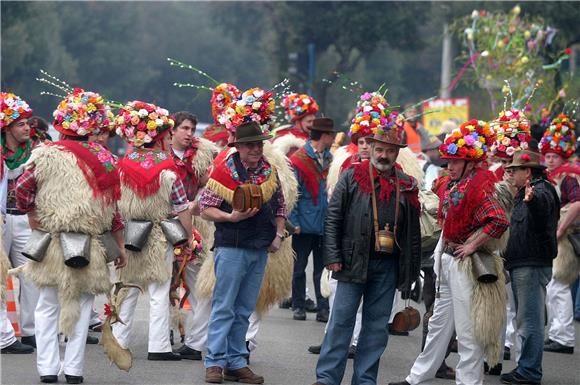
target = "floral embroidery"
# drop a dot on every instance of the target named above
(106, 158)
(147, 158)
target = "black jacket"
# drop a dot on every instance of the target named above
(348, 228)
(533, 225)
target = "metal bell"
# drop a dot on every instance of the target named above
(174, 231)
(136, 234)
(112, 250)
(37, 245)
(76, 248)
(484, 267)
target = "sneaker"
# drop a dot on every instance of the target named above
(310, 306)
(299, 315)
(49, 379)
(18, 347)
(29, 340)
(213, 375)
(315, 349)
(286, 303)
(512, 378)
(556, 347)
(322, 315)
(73, 379)
(92, 340)
(188, 353)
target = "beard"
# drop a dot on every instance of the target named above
(381, 165)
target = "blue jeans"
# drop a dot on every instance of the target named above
(529, 287)
(378, 293)
(303, 245)
(239, 274)
(576, 298)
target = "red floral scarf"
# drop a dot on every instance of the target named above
(310, 172)
(141, 167)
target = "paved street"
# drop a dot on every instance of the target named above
(281, 358)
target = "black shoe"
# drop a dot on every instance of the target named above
(399, 383)
(299, 315)
(513, 378)
(396, 333)
(351, 351)
(322, 315)
(73, 379)
(18, 348)
(556, 347)
(315, 349)
(96, 327)
(188, 353)
(454, 346)
(48, 379)
(92, 340)
(507, 354)
(286, 303)
(166, 356)
(547, 341)
(310, 306)
(30, 340)
(248, 356)
(495, 371)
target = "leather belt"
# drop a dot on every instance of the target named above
(450, 248)
(14, 212)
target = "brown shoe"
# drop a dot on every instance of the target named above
(243, 375)
(213, 375)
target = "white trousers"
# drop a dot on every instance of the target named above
(158, 314)
(7, 336)
(253, 328)
(451, 312)
(358, 321)
(511, 339)
(47, 352)
(17, 232)
(560, 313)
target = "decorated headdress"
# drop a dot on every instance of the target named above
(298, 106)
(253, 105)
(139, 123)
(12, 108)
(470, 141)
(393, 131)
(559, 137)
(371, 113)
(512, 130)
(221, 96)
(82, 113)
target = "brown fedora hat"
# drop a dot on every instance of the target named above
(323, 125)
(249, 132)
(526, 158)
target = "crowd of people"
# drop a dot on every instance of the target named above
(229, 220)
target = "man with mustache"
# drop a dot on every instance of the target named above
(373, 246)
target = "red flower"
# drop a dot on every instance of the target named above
(108, 311)
(462, 151)
(525, 157)
(568, 51)
(473, 122)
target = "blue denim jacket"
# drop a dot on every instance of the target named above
(308, 216)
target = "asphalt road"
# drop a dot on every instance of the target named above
(281, 358)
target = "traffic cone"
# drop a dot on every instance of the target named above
(11, 306)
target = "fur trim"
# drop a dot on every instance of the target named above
(410, 164)
(4, 265)
(504, 196)
(339, 157)
(206, 152)
(286, 176)
(566, 265)
(287, 143)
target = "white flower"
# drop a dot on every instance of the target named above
(147, 139)
(258, 93)
(367, 108)
(159, 122)
(162, 111)
(364, 123)
(485, 53)
(143, 113)
(380, 106)
(474, 14)
(524, 145)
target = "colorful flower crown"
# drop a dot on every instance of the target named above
(512, 130)
(470, 141)
(82, 113)
(371, 114)
(559, 137)
(221, 96)
(298, 106)
(12, 108)
(254, 105)
(139, 123)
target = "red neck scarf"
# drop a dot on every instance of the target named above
(141, 168)
(310, 172)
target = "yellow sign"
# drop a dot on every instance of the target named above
(437, 111)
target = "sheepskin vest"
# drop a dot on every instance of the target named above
(68, 207)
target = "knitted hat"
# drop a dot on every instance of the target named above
(392, 132)
(12, 108)
(470, 141)
(298, 106)
(222, 95)
(82, 113)
(253, 105)
(139, 123)
(559, 137)
(513, 134)
(371, 113)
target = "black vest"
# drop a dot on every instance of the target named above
(257, 232)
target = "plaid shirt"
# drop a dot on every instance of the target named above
(209, 198)
(26, 189)
(491, 218)
(179, 196)
(570, 191)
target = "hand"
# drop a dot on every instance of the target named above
(275, 246)
(297, 230)
(560, 233)
(238, 216)
(336, 267)
(464, 251)
(121, 261)
(529, 192)
(194, 208)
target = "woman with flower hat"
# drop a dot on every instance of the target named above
(16, 149)
(151, 191)
(300, 110)
(558, 145)
(472, 219)
(85, 206)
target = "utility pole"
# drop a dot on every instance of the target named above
(445, 63)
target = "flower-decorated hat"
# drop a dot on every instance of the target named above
(253, 105)
(371, 113)
(298, 106)
(139, 123)
(512, 130)
(12, 108)
(82, 113)
(470, 141)
(392, 132)
(559, 138)
(221, 96)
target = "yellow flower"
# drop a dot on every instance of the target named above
(151, 125)
(460, 142)
(65, 125)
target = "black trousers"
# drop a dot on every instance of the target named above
(303, 245)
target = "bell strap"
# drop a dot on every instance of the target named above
(375, 211)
